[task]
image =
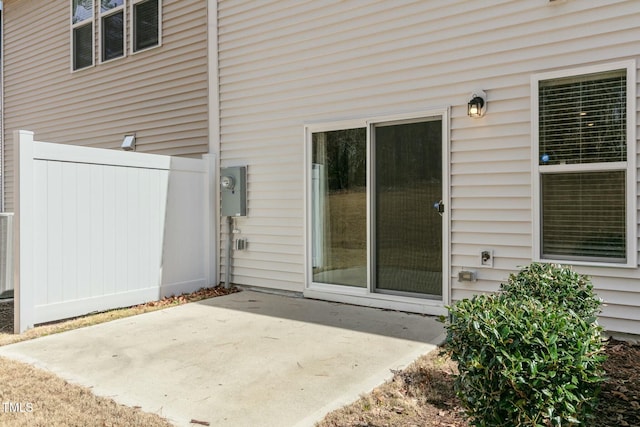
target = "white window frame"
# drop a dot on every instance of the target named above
(95, 21)
(101, 16)
(71, 32)
(629, 166)
(132, 50)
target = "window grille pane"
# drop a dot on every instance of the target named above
(584, 216)
(83, 46)
(146, 24)
(82, 9)
(107, 5)
(113, 36)
(583, 119)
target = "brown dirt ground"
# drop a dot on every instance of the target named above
(423, 395)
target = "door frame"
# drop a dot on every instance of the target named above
(367, 296)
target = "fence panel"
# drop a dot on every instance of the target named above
(101, 229)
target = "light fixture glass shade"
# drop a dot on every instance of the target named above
(477, 105)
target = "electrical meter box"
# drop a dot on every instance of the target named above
(233, 191)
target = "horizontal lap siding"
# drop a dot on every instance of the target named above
(160, 95)
(284, 64)
(289, 63)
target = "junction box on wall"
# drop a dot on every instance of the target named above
(233, 203)
(233, 191)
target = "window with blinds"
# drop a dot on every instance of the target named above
(112, 29)
(584, 215)
(146, 24)
(582, 166)
(583, 119)
(82, 34)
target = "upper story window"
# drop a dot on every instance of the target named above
(112, 29)
(82, 33)
(114, 20)
(146, 24)
(584, 142)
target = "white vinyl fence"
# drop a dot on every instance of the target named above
(98, 229)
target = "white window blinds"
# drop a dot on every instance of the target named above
(583, 120)
(582, 145)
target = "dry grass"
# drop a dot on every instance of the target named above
(420, 395)
(46, 400)
(32, 397)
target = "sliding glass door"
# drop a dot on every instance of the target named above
(376, 208)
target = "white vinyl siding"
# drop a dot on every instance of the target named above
(283, 64)
(160, 94)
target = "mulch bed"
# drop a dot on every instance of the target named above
(6, 316)
(6, 305)
(198, 295)
(423, 395)
(620, 398)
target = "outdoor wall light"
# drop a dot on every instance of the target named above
(129, 143)
(478, 104)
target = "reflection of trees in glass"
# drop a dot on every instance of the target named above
(82, 9)
(110, 4)
(339, 203)
(345, 158)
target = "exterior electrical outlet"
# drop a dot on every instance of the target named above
(240, 245)
(233, 191)
(486, 258)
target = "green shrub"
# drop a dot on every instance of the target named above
(555, 284)
(525, 360)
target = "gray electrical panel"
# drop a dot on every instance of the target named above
(233, 191)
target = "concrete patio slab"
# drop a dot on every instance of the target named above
(246, 359)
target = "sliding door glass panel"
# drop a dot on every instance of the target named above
(408, 230)
(339, 207)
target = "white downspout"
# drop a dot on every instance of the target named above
(2, 139)
(214, 137)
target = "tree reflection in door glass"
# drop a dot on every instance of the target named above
(339, 207)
